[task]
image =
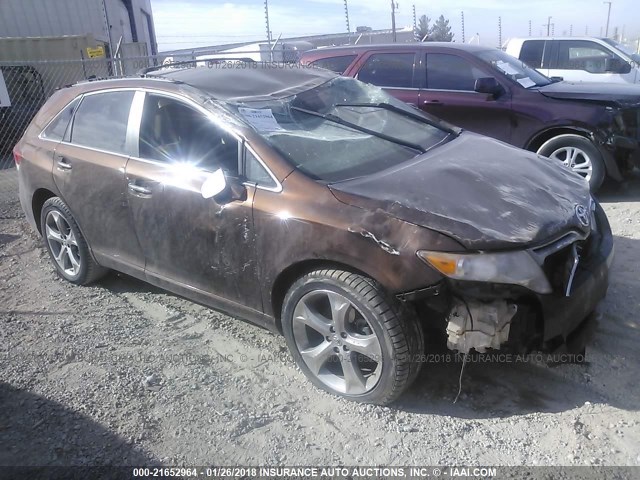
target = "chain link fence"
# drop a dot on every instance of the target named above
(26, 85)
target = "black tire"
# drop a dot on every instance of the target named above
(88, 271)
(556, 144)
(397, 329)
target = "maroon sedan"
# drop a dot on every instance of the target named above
(593, 128)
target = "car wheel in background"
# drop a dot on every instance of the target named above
(579, 154)
(349, 338)
(66, 245)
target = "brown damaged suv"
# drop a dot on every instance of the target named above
(319, 207)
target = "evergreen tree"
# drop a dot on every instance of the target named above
(423, 31)
(441, 31)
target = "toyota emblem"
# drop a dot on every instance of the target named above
(583, 215)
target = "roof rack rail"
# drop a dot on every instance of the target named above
(194, 63)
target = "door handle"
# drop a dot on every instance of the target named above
(435, 103)
(63, 164)
(139, 189)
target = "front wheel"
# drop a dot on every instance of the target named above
(579, 154)
(349, 338)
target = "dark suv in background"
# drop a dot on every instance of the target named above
(590, 127)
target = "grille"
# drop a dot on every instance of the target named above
(557, 266)
(557, 259)
(631, 119)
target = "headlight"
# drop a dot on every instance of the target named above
(516, 268)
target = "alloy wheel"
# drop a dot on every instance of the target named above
(336, 342)
(62, 243)
(576, 159)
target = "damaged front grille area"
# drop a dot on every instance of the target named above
(560, 267)
(631, 121)
(559, 259)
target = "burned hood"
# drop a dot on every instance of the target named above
(613, 93)
(483, 193)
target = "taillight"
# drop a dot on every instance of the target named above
(17, 156)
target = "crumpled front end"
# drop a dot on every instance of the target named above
(484, 315)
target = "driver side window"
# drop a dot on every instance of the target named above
(171, 132)
(451, 72)
(584, 55)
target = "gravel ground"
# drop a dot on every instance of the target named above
(122, 373)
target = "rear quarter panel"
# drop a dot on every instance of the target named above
(35, 170)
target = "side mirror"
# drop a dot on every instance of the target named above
(556, 79)
(616, 65)
(488, 85)
(223, 189)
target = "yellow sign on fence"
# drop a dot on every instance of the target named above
(95, 52)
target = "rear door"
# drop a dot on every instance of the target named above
(535, 54)
(395, 72)
(450, 95)
(338, 64)
(88, 170)
(189, 240)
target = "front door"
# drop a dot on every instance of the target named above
(450, 95)
(588, 61)
(88, 170)
(188, 239)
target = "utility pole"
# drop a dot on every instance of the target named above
(266, 16)
(571, 30)
(415, 20)
(499, 32)
(586, 31)
(346, 14)
(462, 15)
(548, 25)
(394, 5)
(606, 32)
(529, 27)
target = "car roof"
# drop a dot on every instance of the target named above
(398, 46)
(522, 39)
(243, 82)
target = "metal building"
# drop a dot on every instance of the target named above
(111, 22)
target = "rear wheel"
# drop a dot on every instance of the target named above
(579, 154)
(349, 338)
(67, 247)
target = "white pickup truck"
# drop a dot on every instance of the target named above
(578, 59)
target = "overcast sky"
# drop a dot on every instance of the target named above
(196, 23)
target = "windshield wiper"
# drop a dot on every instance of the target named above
(414, 116)
(335, 119)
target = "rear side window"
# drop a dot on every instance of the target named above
(101, 121)
(532, 52)
(450, 72)
(388, 70)
(58, 129)
(335, 64)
